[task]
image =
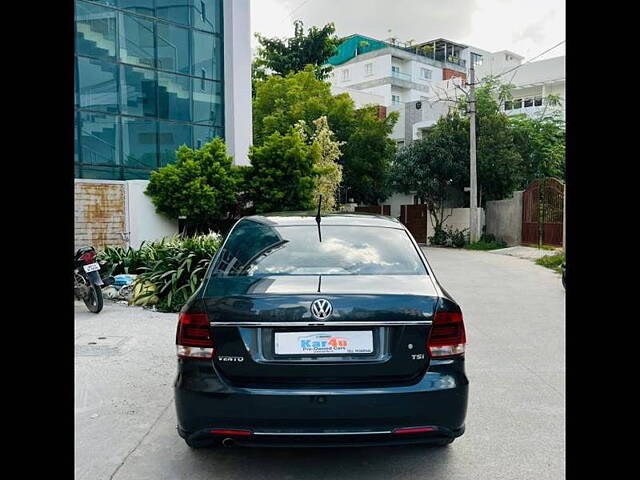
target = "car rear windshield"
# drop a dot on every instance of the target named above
(257, 249)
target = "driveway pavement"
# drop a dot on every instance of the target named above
(514, 313)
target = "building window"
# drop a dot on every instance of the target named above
(207, 55)
(96, 87)
(425, 74)
(395, 99)
(528, 102)
(172, 44)
(148, 79)
(345, 75)
(136, 41)
(368, 69)
(95, 31)
(537, 101)
(508, 105)
(517, 103)
(395, 69)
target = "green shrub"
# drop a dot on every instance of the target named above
(488, 241)
(488, 238)
(456, 238)
(439, 237)
(174, 266)
(202, 184)
(552, 261)
(449, 237)
(120, 260)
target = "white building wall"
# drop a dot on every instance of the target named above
(360, 98)
(237, 79)
(396, 200)
(458, 218)
(357, 73)
(383, 91)
(398, 129)
(382, 68)
(144, 223)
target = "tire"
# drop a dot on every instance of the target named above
(94, 301)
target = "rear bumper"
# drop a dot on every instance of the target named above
(310, 416)
(349, 438)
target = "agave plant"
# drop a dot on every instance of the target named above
(120, 260)
(174, 268)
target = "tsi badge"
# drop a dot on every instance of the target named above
(222, 358)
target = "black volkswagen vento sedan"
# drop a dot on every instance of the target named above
(320, 332)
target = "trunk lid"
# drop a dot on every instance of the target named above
(248, 312)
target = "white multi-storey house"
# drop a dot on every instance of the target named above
(400, 77)
(539, 87)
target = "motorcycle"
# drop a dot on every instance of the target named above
(87, 283)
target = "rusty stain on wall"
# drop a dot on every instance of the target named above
(99, 214)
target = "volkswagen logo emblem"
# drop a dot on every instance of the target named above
(321, 309)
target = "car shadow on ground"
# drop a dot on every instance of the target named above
(309, 463)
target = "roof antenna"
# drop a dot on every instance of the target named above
(318, 218)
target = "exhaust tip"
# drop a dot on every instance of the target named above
(228, 442)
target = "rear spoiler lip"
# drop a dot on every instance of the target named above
(400, 323)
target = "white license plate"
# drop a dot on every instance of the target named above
(92, 267)
(323, 343)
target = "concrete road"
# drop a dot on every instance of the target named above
(514, 313)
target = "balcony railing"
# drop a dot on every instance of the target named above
(456, 60)
(400, 75)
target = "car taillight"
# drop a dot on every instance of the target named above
(193, 338)
(88, 257)
(447, 335)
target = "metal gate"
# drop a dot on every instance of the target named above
(414, 217)
(379, 209)
(542, 212)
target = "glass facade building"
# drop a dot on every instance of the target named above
(148, 78)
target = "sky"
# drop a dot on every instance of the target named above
(526, 27)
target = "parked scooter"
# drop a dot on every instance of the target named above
(87, 283)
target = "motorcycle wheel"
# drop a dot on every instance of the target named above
(94, 301)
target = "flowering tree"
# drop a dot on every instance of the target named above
(327, 172)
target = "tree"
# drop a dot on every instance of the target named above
(281, 176)
(541, 143)
(328, 173)
(295, 53)
(433, 165)
(368, 154)
(202, 185)
(280, 102)
(499, 164)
